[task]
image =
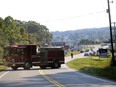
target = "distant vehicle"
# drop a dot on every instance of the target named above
(89, 53)
(27, 56)
(92, 52)
(103, 52)
(86, 54)
(81, 51)
(87, 50)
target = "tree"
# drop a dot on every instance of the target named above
(40, 33)
(11, 30)
(21, 32)
(1, 31)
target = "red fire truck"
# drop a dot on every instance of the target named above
(27, 56)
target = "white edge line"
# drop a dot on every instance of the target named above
(3, 74)
(90, 76)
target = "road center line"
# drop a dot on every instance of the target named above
(3, 74)
(50, 79)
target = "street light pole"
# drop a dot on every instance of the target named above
(108, 10)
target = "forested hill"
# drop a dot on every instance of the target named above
(13, 31)
(94, 34)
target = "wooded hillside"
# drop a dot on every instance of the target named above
(74, 36)
(21, 32)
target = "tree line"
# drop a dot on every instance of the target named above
(21, 32)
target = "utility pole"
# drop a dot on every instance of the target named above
(114, 34)
(108, 10)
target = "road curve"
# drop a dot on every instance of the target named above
(71, 78)
(63, 77)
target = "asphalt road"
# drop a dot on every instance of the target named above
(23, 78)
(63, 77)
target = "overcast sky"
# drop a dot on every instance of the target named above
(60, 15)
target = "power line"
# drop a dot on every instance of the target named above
(103, 4)
(114, 3)
(74, 17)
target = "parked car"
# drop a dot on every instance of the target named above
(81, 51)
(86, 54)
(87, 50)
(89, 53)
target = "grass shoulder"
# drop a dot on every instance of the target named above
(2, 66)
(95, 67)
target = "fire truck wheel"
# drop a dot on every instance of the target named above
(55, 64)
(43, 67)
(27, 66)
(14, 67)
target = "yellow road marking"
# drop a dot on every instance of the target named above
(50, 79)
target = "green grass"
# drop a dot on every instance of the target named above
(2, 67)
(95, 67)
